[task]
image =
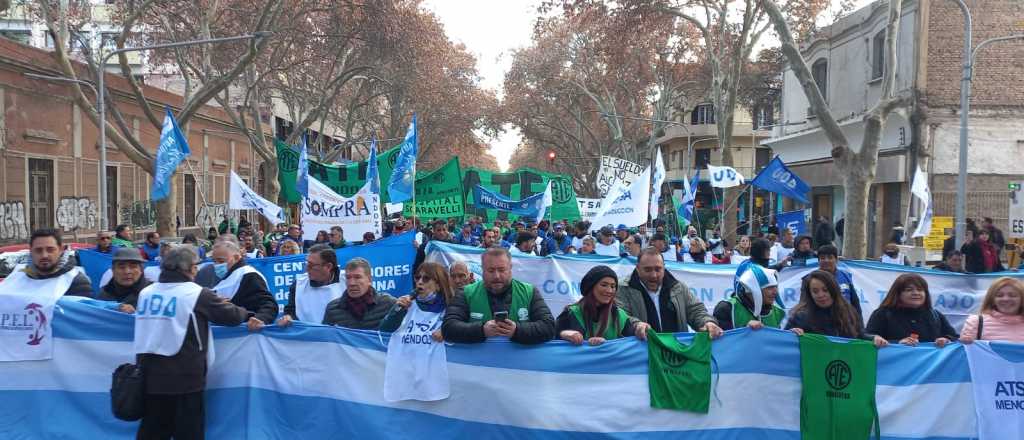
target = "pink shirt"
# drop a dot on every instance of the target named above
(996, 327)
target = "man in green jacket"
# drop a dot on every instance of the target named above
(498, 306)
(654, 296)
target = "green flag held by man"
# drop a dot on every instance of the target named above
(679, 376)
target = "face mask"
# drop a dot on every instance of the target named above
(221, 269)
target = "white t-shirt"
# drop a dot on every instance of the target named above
(611, 250)
(654, 297)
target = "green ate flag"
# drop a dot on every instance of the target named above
(344, 179)
(519, 185)
(438, 193)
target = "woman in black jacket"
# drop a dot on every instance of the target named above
(823, 310)
(595, 318)
(906, 315)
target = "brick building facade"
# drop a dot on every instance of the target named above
(49, 156)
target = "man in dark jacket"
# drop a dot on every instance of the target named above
(823, 232)
(498, 306)
(126, 279)
(439, 231)
(652, 295)
(174, 404)
(361, 306)
(243, 285)
(48, 261)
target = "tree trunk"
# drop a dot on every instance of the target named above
(165, 214)
(271, 187)
(855, 231)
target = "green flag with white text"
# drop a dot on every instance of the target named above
(438, 193)
(519, 185)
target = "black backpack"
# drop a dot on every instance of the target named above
(128, 392)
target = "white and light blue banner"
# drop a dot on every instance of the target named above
(391, 259)
(557, 277)
(317, 382)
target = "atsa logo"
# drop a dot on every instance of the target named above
(838, 375)
(673, 359)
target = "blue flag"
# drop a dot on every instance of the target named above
(792, 220)
(780, 180)
(403, 175)
(689, 195)
(302, 176)
(172, 150)
(528, 207)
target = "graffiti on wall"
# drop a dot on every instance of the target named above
(210, 215)
(12, 221)
(75, 213)
(140, 214)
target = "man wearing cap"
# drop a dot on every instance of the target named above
(498, 305)
(126, 280)
(606, 244)
(653, 295)
(756, 288)
(557, 243)
(621, 233)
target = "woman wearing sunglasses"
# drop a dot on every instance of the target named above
(431, 294)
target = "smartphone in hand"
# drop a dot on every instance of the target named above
(501, 316)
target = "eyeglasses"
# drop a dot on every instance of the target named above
(423, 278)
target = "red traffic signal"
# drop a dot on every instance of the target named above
(551, 156)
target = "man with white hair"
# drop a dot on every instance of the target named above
(243, 285)
(172, 339)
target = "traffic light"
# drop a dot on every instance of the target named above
(551, 156)
(1014, 186)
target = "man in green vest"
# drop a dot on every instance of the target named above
(755, 288)
(498, 306)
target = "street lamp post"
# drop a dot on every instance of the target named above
(101, 106)
(965, 105)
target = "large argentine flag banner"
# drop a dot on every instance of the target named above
(558, 276)
(316, 382)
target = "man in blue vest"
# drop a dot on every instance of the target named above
(828, 261)
(498, 305)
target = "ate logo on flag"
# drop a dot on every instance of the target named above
(838, 375)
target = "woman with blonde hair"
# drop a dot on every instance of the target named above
(1001, 317)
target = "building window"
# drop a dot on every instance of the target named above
(764, 116)
(878, 55)
(703, 114)
(283, 128)
(40, 193)
(21, 36)
(819, 71)
(108, 42)
(701, 158)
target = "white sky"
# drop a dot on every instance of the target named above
(491, 29)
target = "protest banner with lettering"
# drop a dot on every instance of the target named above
(390, 258)
(519, 184)
(614, 170)
(1016, 210)
(438, 193)
(356, 215)
(345, 180)
(557, 277)
(589, 208)
(291, 383)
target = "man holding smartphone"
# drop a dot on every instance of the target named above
(498, 306)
